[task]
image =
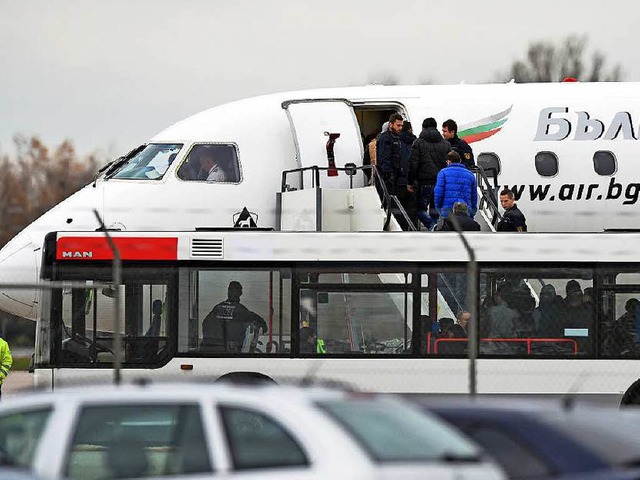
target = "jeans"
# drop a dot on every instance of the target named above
(427, 213)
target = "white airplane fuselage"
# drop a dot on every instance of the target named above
(513, 123)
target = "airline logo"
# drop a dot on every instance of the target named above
(130, 248)
(553, 124)
(484, 128)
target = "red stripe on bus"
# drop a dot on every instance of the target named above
(131, 248)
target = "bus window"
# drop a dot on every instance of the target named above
(239, 311)
(619, 276)
(445, 311)
(355, 311)
(620, 330)
(527, 312)
(358, 322)
(86, 323)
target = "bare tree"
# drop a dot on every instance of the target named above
(547, 63)
(36, 179)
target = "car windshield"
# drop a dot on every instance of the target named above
(150, 163)
(391, 431)
(613, 435)
(20, 433)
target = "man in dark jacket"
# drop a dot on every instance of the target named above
(225, 327)
(404, 189)
(428, 157)
(455, 184)
(388, 153)
(461, 212)
(547, 317)
(513, 219)
(450, 133)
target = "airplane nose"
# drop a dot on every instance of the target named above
(19, 265)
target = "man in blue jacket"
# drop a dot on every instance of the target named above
(455, 183)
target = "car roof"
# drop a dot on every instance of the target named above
(607, 432)
(159, 392)
(504, 403)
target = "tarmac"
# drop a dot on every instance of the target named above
(16, 382)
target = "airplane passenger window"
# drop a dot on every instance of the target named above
(212, 163)
(604, 162)
(490, 162)
(547, 164)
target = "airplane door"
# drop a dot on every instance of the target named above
(311, 121)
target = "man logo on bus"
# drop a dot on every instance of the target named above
(77, 254)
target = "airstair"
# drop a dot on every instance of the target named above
(303, 204)
(488, 215)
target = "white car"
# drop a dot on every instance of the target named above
(219, 431)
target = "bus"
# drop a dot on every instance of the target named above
(381, 311)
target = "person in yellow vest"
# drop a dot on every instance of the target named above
(309, 340)
(6, 361)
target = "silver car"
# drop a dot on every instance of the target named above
(200, 431)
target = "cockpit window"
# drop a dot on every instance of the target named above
(214, 163)
(150, 163)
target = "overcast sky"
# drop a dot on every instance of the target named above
(110, 74)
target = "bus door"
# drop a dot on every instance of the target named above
(315, 125)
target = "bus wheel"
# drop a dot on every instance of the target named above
(245, 378)
(632, 395)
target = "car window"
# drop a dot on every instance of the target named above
(257, 441)
(391, 431)
(518, 461)
(19, 436)
(611, 435)
(132, 441)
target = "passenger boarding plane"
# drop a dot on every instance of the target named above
(569, 151)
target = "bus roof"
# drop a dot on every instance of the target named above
(327, 246)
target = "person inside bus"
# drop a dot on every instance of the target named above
(445, 323)
(625, 330)
(578, 317)
(308, 340)
(226, 327)
(446, 331)
(156, 319)
(524, 304)
(547, 317)
(459, 329)
(502, 318)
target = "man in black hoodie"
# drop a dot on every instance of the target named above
(404, 190)
(428, 157)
